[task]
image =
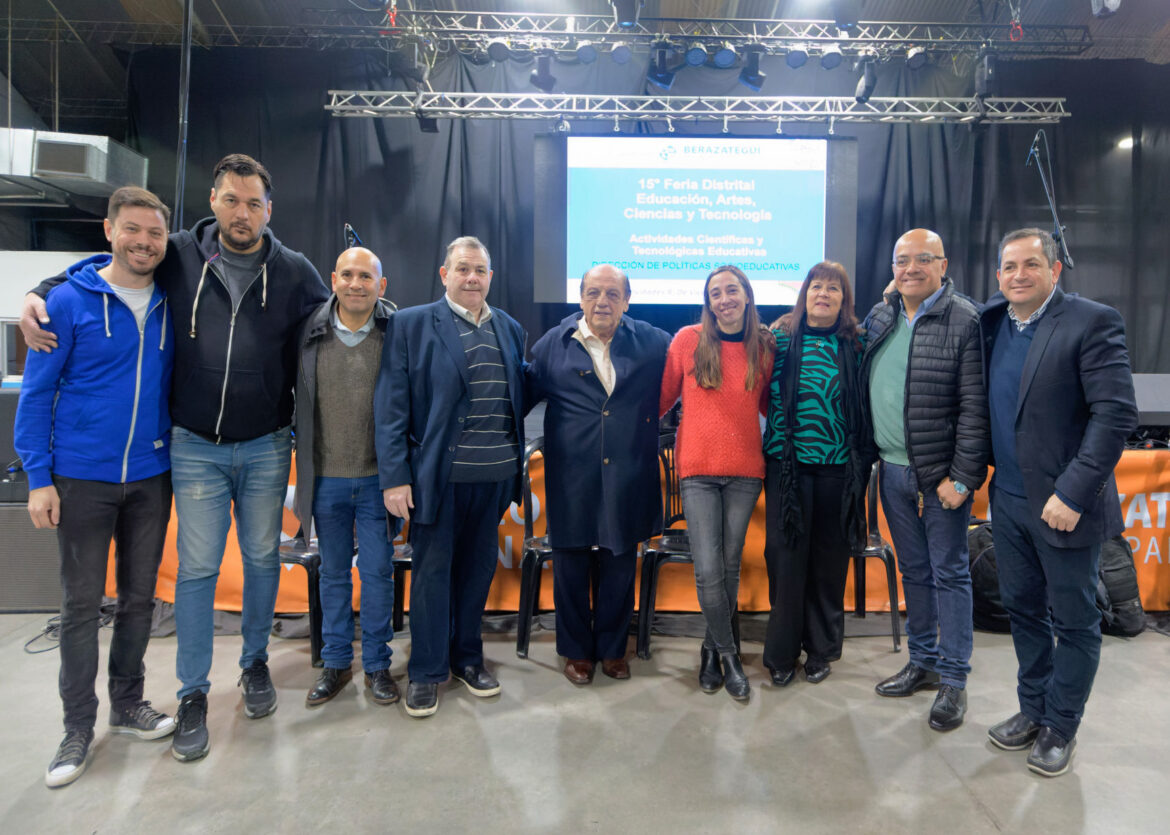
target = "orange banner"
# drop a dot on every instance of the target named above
(1143, 481)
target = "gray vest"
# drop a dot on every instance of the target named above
(344, 443)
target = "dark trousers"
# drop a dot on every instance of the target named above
(135, 516)
(602, 631)
(1048, 592)
(807, 579)
(450, 576)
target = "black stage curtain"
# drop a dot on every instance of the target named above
(409, 193)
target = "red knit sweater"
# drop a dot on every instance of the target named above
(719, 434)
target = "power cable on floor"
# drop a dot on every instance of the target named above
(52, 630)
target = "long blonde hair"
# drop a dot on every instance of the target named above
(757, 340)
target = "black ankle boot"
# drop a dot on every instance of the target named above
(735, 681)
(710, 673)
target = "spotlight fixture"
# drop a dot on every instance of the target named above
(915, 57)
(724, 56)
(542, 77)
(620, 53)
(1104, 8)
(659, 74)
(847, 15)
(425, 123)
(831, 57)
(586, 52)
(625, 12)
(868, 79)
(797, 55)
(985, 74)
(498, 50)
(751, 76)
(696, 54)
(1126, 143)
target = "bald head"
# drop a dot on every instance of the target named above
(358, 283)
(919, 266)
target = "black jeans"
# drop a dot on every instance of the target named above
(808, 579)
(135, 516)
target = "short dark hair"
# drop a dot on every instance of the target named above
(625, 278)
(468, 242)
(1047, 242)
(135, 196)
(242, 165)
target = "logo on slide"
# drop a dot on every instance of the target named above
(666, 153)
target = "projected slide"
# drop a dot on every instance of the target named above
(668, 210)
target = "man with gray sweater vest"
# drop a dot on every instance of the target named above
(337, 474)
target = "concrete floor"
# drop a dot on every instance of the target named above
(650, 755)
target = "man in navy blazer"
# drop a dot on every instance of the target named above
(600, 372)
(1062, 404)
(448, 410)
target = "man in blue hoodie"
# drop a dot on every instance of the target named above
(239, 298)
(92, 430)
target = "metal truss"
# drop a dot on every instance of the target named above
(469, 31)
(568, 107)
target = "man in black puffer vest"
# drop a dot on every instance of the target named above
(922, 387)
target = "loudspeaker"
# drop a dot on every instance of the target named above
(30, 566)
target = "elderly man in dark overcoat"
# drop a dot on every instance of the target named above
(599, 372)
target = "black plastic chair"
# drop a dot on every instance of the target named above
(297, 551)
(535, 554)
(875, 548)
(403, 557)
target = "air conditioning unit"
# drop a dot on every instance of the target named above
(74, 163)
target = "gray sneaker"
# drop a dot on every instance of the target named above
(142, 720)
(190, 741)
(71, 759)
(259, 694)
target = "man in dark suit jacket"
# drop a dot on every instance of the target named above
(1062, 404)
(600, 373)
(448, 431)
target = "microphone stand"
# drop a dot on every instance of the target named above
(1046, 182)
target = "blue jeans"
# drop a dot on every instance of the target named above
(936, 574)
(340, 504)
(1048, 591)
(718, 509)
(207, 479)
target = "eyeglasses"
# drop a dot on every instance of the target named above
(922, 259)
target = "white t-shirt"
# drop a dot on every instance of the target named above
(136, 298)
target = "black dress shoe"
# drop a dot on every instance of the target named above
(328, 685)
(735, 681)
(816, 671)
(383, 690)
(783, 678)
(1051, 754)
(907, 681)
(949, 708)
(479, 681)
(1014, 734)
(710, 673)
(422, 698)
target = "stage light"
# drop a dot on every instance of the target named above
(724, 56)
(586, 52)
(797, 55)
(868, 79)
(625, 12)
(542, 77)
(915, 57)
(831, 57)
(1126, 144)
(751, 76)
(985, 73)
(620, 53)
(659, 74)
(847, 15)
(1104, 8)
(696, 54)
(425, 123)
(498, 50)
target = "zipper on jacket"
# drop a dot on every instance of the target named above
(227, 370)
(137, 388)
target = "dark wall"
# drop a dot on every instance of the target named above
(408, 193)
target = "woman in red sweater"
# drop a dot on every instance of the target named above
(720, 368)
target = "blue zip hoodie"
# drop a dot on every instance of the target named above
(96, 407)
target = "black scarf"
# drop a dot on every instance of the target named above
(853, 500)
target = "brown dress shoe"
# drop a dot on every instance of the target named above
(579, 670)
(615, 668)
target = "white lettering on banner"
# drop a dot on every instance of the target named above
(506, 552)
(1152, 549)
(1139, 509)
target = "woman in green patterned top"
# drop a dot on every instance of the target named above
(814, 485)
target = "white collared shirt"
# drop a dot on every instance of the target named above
(463, 313)
(599, 353)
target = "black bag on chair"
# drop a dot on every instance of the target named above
(1118, 596)
(988, 612)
